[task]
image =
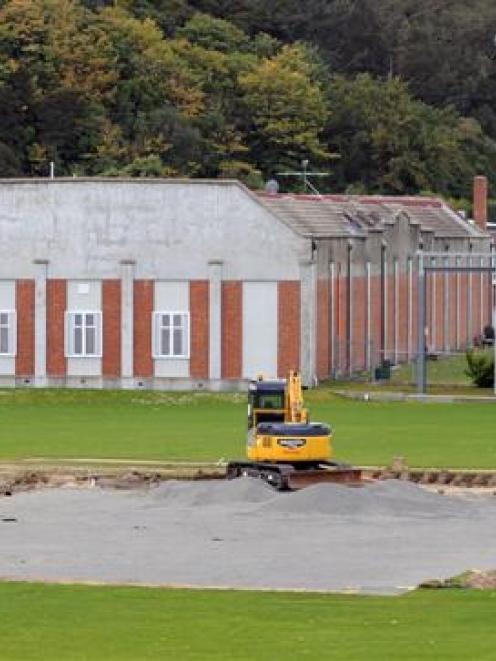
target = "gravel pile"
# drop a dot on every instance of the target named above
(381, 538)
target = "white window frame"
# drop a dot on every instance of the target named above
(156, 335)
(69, 334)
(12, 333)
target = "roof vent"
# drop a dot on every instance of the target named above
(272, 187)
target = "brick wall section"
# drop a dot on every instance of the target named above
(342, 321)
(391, 285)
(232, 329)
(359, 285)
(415, 294)
(376, 318)
(403, 314)
(452, 311)
(322, 358)
(476, 309)
(143, 308)
(25, 327)
(440, 289)
(199, 332)
(56, 293)
(111, 308)
(288, 327)
(463, 334)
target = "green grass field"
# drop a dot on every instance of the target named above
(86, 623)
(204, 427)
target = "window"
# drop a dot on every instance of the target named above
(7, 333)
(83, 334)
(170, 335)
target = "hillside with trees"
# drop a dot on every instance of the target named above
(390, 96)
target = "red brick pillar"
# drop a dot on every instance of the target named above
(25, 327)
(232, 329)
(111, 308)
(56, 296)
(359, 335)
(322, 358)
(199, 334)
(288, 326)
(143, 309)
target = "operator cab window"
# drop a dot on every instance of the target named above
(269, 400)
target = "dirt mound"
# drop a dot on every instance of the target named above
(473, 579)
(389, 498)
(225, 493)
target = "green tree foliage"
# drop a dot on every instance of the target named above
(389, 142)
(286, 108)
(244, 88)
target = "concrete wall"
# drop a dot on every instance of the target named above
(259, 329)
(170, 229)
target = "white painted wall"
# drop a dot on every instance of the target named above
(171, 296)
(171, 228)
(259, 329)
(86, 296)
(7, 302)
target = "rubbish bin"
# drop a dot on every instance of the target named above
(383, 372)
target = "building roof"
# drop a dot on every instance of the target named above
(357, 215)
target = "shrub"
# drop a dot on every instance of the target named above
(481, 368)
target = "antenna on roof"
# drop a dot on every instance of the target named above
(304, 174)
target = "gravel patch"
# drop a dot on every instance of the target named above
(380, 538)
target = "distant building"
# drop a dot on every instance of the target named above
(203, 284)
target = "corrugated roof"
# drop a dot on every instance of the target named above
(356, 215)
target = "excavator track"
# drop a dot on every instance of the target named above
(287, 477)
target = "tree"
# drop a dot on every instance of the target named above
(391, 143)
(285, 110)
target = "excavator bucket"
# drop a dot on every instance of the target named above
(299, 479)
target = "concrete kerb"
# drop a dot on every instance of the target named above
(389, 396)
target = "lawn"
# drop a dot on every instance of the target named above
(208, 427)
(82, 622)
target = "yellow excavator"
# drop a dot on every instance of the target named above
(283, 447)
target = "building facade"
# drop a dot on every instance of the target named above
(203, 284)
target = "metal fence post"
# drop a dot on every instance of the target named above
(421, 367)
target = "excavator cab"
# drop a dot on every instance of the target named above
(266, 401)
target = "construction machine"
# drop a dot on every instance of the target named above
(283, 447)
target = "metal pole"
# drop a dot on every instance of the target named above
(368, 357)
(493, 281)
(410, 309)
(421, 367)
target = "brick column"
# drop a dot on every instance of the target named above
(56, 307)
(232, 329)
(24, 362)
(199, 332)
(111, 309)
(288, 326)
(143, 309)
(322, 342)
